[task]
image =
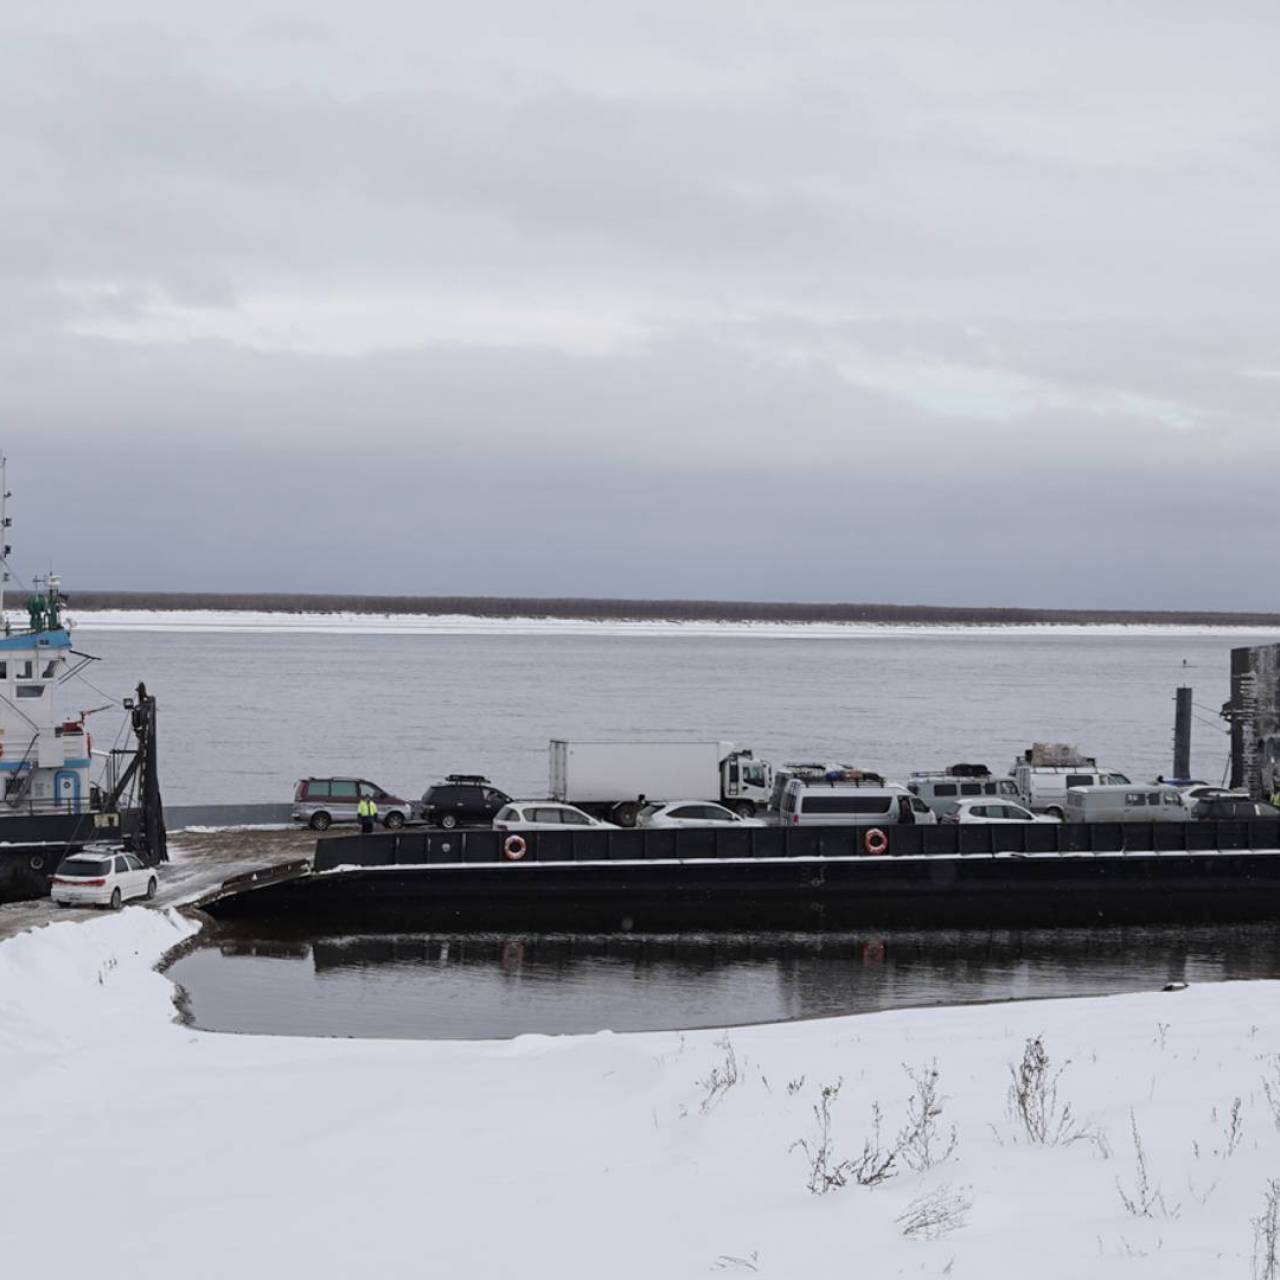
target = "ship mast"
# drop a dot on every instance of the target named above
(5, 548)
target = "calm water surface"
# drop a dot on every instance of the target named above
(428, 986)
(245, 714)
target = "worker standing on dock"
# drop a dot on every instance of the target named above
(366, 811)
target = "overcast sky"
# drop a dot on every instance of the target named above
(795, 299)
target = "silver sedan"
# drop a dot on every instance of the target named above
(692, 813)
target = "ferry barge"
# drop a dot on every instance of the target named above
(776, 878)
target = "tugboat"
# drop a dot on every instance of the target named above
(49, 804)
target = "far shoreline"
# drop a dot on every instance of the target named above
(586, 609)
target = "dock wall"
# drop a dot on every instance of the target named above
(178, 816)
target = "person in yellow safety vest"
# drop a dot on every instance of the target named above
(367, 812)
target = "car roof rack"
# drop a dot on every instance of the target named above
(845, 777)
(467, 777)
(955, 771)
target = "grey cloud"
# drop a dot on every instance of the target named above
(908, 277)
(334, 518)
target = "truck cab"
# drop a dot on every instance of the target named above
(745, 783)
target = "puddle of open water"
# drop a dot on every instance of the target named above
(437, 986)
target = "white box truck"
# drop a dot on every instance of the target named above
(607, 779)
(1046, 771)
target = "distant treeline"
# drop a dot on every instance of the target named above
(648, 610)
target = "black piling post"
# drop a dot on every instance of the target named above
(153, 837)
(1182, 734)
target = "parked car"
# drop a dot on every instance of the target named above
(692, 813)
(814, 771)
(545, 815)
(1232, 807)
(102, 880)
(808, 803)
(1126, 803)
(462, 800)
(1194, 793)
(320, 802)
(941, 789)
(984, 810)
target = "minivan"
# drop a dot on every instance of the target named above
(941, 791)
(1125, 803)
(813, 772)
(320, 802)
(810, 803)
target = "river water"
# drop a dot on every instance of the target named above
(433, 986)
(248, 706)
(246, 711)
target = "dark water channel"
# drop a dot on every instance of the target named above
(475, 986)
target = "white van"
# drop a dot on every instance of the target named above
(941, 790)
(812, 772)
(1043, 788)
(1126, 803)
(808, 802)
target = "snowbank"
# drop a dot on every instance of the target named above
(136, 1147)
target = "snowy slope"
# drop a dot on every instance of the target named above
(609, 1156)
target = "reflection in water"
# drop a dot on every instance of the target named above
(482, 986)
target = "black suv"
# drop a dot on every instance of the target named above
(1232, 808)
(462, 799)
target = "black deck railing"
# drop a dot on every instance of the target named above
(417, 847)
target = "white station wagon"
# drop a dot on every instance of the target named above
(102, 880)
(545, 815)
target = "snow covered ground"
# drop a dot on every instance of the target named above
(212, 620)
(136, 1147)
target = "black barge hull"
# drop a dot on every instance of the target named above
(812, 878)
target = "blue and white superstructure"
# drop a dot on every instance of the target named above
(45, 752)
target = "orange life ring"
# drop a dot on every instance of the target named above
(513, 848)
(875, 842)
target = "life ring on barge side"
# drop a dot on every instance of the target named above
(514, 848)
(875, 842)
